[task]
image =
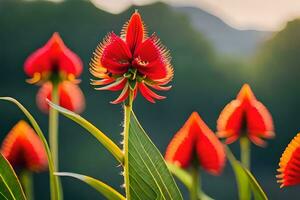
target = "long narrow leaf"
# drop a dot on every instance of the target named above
(244, 176)
(10, 186)
(148, 175)
(104, 189)
(56, 193)
(99, 135)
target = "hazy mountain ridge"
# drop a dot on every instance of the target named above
(226, 39)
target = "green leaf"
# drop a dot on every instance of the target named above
(99, 135)
(149, 177)
(55, 184)
(244, 176)
(10, 187)
(104, 189)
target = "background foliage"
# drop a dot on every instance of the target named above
(204, 81)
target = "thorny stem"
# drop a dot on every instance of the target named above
(127, 113)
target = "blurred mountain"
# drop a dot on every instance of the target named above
(226, 39)
(277, 67)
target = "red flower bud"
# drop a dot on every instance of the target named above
(24, 149)
(245, 115)
(196, 141)
(53, 60)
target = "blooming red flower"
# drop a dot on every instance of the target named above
(24, 149)
(245, 115)
(54, 60)
(133, 62)
(289, 168)
(195, 140)
(70, 96)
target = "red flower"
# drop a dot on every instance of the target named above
(289, 167)
(24, 149)
(54, 60)
(132, 62)
(245, 115)
(70, 97)
(196, 139)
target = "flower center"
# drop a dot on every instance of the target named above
(134, 76)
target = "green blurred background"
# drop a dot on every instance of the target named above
(209, 71)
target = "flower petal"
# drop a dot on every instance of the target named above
(289, 165)
(181, 148)
(259, 121)
(112, 54)
(102, 82)
(123, 96)
(53, 56)
(134, 31)
(149, 94)
(70, 97)
(230, 121)
(24, 149)
(119, 84)
(246, 93)
(210, 151)
(159, 87)
(153, 60)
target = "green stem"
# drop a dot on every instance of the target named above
(245, 151)
(27, 183)
(245, 160)
(195, 189)
(53, 135)
(127, 113)
(53, 125)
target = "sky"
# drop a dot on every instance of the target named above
(265, 15)
(262, 15)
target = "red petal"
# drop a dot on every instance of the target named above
(134, 31)
(259, 121)
(181, 148)
(246, 94)
(210, 151)
(148, 94)
(290, 164)
(53, 56)
(159, 87)
(119, 84)
(70, 97)
(152, 60)
(123, 96)
(24, 149)
(230, 121)
(112, 54)
(102, 82)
